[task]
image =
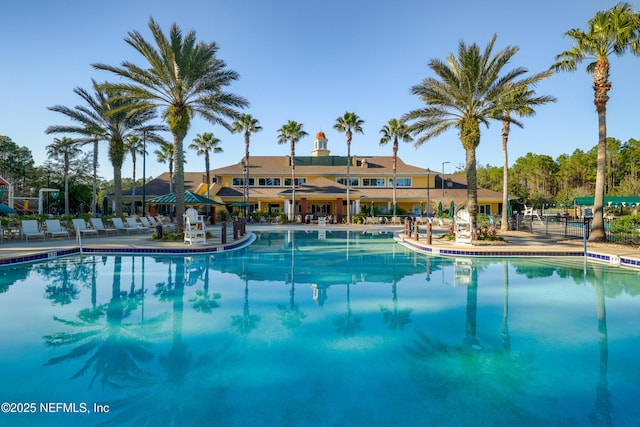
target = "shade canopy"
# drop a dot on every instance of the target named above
(6, 210)
(239, 204)
(608, 201)
(189, 199)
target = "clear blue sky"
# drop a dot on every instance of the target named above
(311, 62)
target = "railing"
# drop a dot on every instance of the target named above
(569, 228)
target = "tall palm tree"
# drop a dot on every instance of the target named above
(470, 91)
(135, 145)
(525, 97)
(64, 149)
(613, 31)
(203, 144)
(248, 125)
(392, 131)
(185, 78)
(102, 119)
(349, 123)
(165, 155)
(292, 132)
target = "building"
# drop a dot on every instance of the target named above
(321, 186)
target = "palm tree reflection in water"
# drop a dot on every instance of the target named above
(114, 350)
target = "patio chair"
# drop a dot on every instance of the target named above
(80, 225)
(54, 229)
(133, 224)
(165, 225)
(119, 225)
(98, 225)
(146, 223)
(30, 229)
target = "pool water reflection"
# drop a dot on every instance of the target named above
(337, 328)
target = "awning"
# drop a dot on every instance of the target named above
(189, 199)
(609, 201)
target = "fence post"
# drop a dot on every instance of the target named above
(223, 233)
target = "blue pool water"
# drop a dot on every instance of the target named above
(328, 329)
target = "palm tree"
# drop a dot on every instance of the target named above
(349, 123)
(203, 144)
(248, 125)
(525, 97)
(292, 132)
(185, 78)
(394, 130)
(165, 155)
(65, 149)
(102, 119)
(470, 91)
(135, 145)
(612, 31)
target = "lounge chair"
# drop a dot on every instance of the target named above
(80, 226)
(98, 225)
(166, 225)
(30, 229)
(54, 229)
(146, 223)
(119, 225)
(133, 225)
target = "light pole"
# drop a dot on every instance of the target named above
(144, 172)
(442, 179)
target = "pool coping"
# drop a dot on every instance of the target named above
(110, 249)
(519, 251)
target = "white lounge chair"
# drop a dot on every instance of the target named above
(146, 223)
(133, 225)
(30, 229)
(165, 225)
(80, 226)
(98, 225)
(119, 225)
(54, 229)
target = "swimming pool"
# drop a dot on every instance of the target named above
(331, 328)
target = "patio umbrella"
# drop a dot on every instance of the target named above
(452, 209)
(395, 209)
(105, 206)
(239, 204)
(509, 209)
(189, 199)
(420, 207)
(6, 210)
(372, 211)
(439, 208)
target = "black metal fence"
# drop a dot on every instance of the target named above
(568, 228)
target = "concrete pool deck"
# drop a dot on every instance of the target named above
(517, 244)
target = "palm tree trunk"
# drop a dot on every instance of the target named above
(504, 223)
(395, 166)
(597, 229)
(179, 177)
(133, 188)
(472, 187)
(94, 199)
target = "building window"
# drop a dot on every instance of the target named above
(269, 182)
(355, 182)
(402, 182)
(373, 182)
(299, 181)
(484, 209)
(239, 182)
